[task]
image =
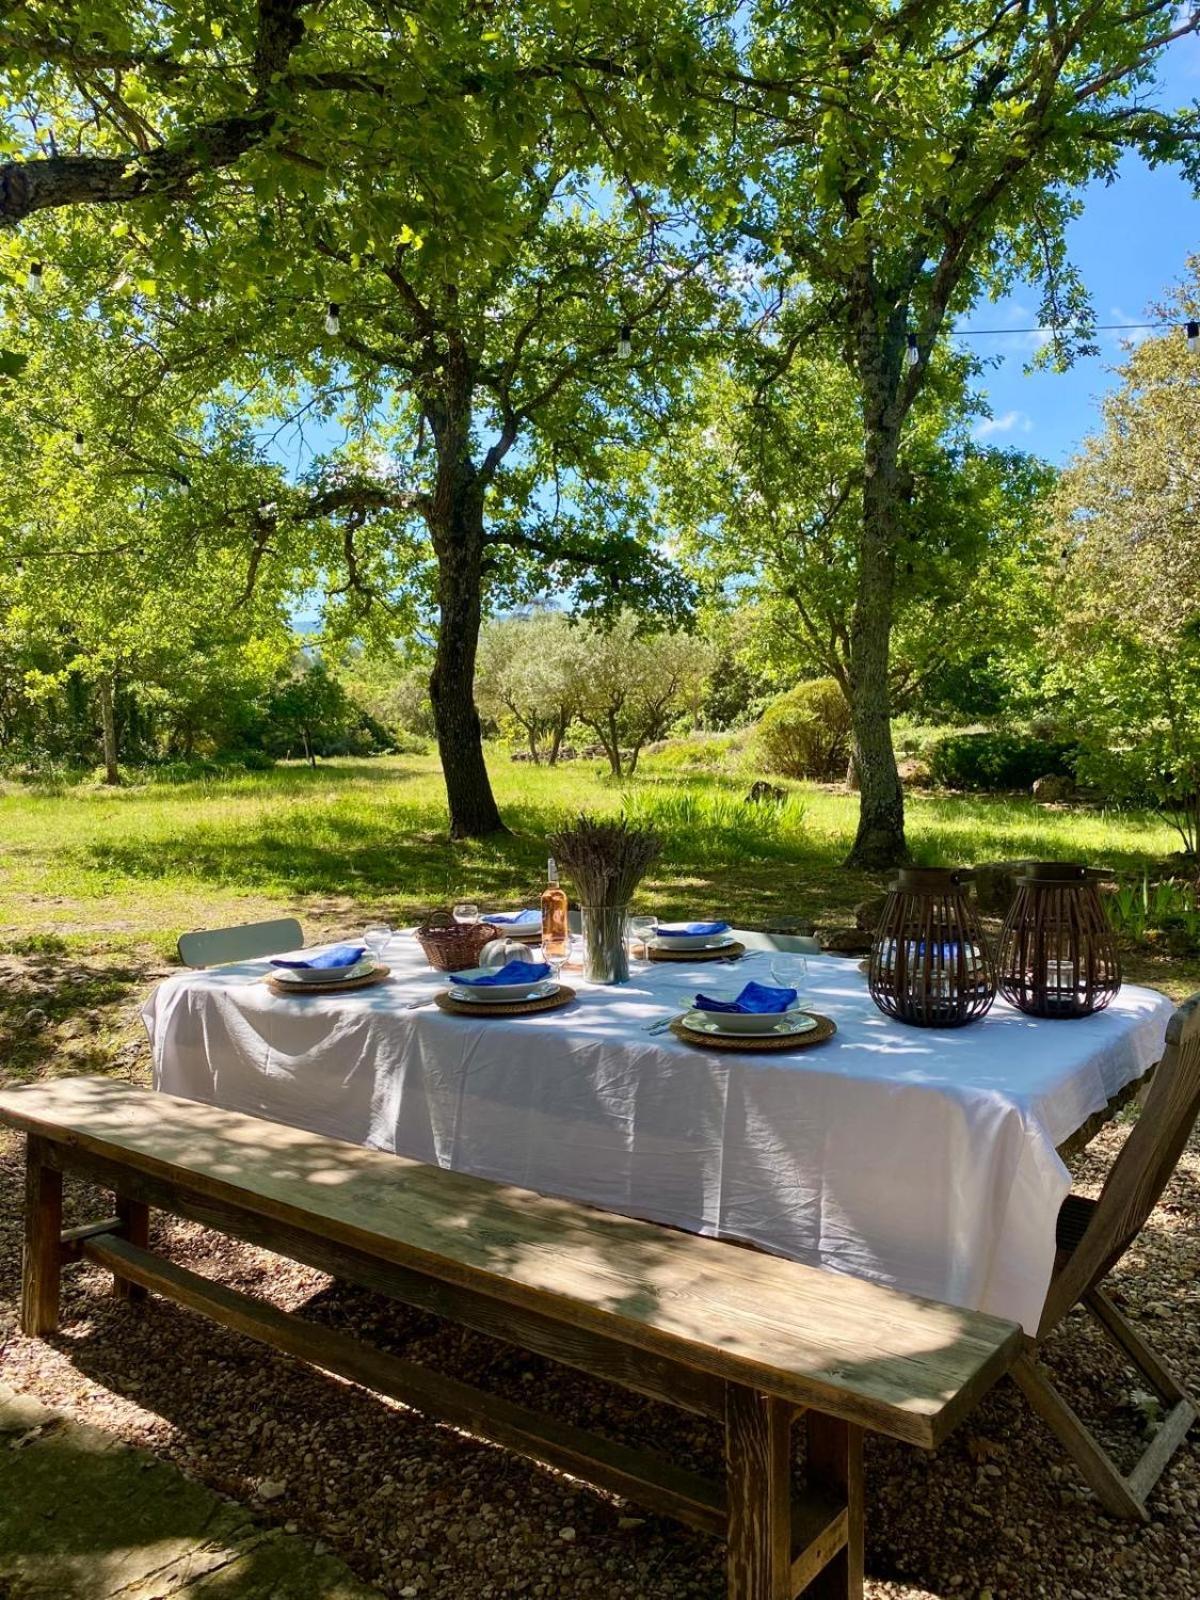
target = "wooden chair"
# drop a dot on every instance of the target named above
(1092, 1237)
(211, 947)
(790, 944)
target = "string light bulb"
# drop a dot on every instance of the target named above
(625, 342)
(912, 354)
(1193, 337)
(77, 444)
(333, 318)
(33, 279)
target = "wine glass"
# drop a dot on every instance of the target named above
(376, 936)
(641, 931)
(555, 961)
(465, 913)
(789, 971)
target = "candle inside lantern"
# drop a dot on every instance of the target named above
(1060, 975)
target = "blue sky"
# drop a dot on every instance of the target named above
(1131, 245)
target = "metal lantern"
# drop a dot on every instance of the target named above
(929, 963)
(1058, 952)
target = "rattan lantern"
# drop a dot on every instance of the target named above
(1058, 952)
(930, 964)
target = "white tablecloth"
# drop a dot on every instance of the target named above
(916, 1158)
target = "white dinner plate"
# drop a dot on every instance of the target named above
(503, 991)
(740, 1024)
(299, 976)
(694, 941)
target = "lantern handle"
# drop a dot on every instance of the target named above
(1063, 873)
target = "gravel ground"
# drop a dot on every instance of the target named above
(419, 1510)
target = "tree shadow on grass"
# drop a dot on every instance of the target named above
(375, 856)
(353, 856)
(83, 1516)
(55, 1005)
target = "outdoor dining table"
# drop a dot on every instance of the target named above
(923, 1159)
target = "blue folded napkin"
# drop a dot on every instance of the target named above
(758, 997)
(512, 919)
(530, 972)
(338, 955)
(691, 930)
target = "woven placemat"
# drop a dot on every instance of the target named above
(504, 1008)
(367, 980)
(727, 952)
(760, 1043)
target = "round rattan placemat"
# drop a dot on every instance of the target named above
(365, 982)
(504, 1008)
(757, 1043)
(727, 952)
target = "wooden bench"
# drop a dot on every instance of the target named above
(748, 1339)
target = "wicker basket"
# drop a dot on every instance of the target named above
(451, 946)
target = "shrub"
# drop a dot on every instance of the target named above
(998, 760)
(697, 752)
(805, 733)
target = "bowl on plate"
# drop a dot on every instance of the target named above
(681, 936)
(748, 1022)
(299, 976)
(528, 927)
(488, 992)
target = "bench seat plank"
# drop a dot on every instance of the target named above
(895, 1363)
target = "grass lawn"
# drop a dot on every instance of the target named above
(95, 885)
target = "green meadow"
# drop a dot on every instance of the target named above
(99, 867)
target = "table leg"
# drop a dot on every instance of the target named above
(135, 1226)
(758, 1433)
(42, 1268)
(835, 1464)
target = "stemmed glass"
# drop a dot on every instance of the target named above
(641, 931)
(465, 913)
(376, 936)
(789, 971)
(556, 963)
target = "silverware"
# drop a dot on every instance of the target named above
(660, 1026)
(426, 1000)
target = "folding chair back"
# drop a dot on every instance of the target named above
(1141, 1171)
(211, 947)
(1093, 1235)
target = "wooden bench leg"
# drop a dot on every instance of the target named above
(835, 1465)
(41, 1274)
(758, 1458)
(134, 1219)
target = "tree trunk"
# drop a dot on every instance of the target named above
(456, 523)
(612, 744)
(558, 733)
(108, 722)
(880, 839)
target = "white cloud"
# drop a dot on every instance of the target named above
(1007, 422)
(1127, 336)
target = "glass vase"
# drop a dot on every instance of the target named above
(605, 957)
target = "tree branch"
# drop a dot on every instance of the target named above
(48, 182)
